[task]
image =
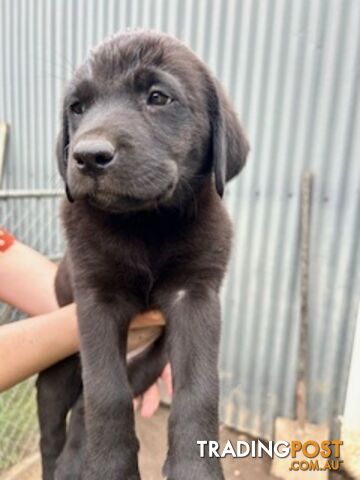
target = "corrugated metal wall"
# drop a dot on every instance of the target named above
(292, 70)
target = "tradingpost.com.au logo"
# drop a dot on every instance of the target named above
(307, 456)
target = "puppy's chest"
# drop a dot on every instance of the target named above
(143, 262)
(150, 254)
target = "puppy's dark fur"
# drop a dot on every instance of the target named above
(146, 228)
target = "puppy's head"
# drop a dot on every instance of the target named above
(144, 123)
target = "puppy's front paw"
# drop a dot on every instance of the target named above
(69, 464)
(64, 474)
(187, 470)
(110, 472)
(69, 471)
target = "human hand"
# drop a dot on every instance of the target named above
(149, 402)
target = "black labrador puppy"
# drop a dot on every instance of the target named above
(148, 142)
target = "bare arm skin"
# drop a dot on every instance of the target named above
(29, 346)
(27, 280)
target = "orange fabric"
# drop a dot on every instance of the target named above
(6, 240)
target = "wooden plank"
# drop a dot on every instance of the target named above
(3, 136)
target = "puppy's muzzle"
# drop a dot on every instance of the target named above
(93, 155)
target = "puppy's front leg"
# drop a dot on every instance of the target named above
(112, 447)
(193, 316)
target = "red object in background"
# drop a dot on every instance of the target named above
(6, 240)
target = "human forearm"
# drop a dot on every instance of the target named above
(27, 280)
(39, 343)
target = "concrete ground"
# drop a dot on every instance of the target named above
(152, 436)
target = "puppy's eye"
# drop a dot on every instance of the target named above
(158, 98)
(78, 108)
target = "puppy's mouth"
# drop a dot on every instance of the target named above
(123, 202)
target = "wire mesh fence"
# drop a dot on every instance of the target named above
(18, 419)
(19, 433)
(34, 219)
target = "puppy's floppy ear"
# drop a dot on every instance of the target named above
(229, 144)
(62, 147)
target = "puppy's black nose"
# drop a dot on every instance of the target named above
(93, 155)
